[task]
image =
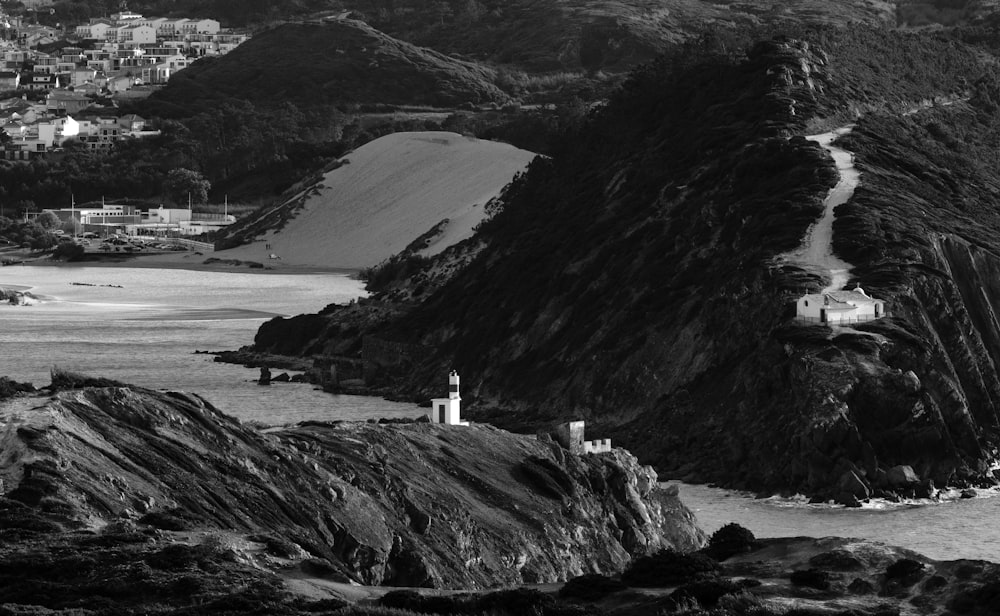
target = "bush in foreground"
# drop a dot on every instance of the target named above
(590, 587)
(730, 540)
(667, 568)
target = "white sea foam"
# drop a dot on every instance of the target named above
(946, 528)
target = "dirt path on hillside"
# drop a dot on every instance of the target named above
(816, 252)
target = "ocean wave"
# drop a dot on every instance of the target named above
(944, 495)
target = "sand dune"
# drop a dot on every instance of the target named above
(389, 192)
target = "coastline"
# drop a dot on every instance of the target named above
(186, 261)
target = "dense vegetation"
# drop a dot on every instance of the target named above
(341, 61)
(25, 234)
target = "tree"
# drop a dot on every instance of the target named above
(181, 183)
(48, 220)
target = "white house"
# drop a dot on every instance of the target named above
(448, 410)
(839, 307)
(133, 35)
(96, 29)
(201, 26)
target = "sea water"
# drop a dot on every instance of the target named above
(946, 529)
(142, 326)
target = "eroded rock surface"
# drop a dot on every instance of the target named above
(411, 504)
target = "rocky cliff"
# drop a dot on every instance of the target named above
(634, 278)
(394, 504)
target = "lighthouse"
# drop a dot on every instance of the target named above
(448, 410)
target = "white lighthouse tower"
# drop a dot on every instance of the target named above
(448, 410)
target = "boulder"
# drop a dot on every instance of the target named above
(902, 476)
(265, 376)
(926, 489)
(854, 485)
(968, 493)
(847, 499)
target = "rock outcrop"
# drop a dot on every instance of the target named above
(412, 504)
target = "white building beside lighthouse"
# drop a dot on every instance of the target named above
(448, 410)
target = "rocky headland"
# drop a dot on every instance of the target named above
(121, 500)
(634, 278)
(397, 504)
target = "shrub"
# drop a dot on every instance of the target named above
(164, 521)
(64, 379)
(276, 546)
(330, 605)
(590, 587)
(179, 557)
(10, 388)
(513, 601)
(68, 251)
(811, 578)
(985, 596)
(903, 568)
(729, 540)
(668, 567)
(706, 592)
(415, 602)
(836, 560)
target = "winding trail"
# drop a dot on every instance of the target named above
(816, 253)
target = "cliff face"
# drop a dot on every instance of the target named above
(633, 279)
(401, 504)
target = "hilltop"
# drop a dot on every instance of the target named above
(340, 61)
(382, 197)
(590, 35)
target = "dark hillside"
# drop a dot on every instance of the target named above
(631, 279)
(341, 61)
(588, 34)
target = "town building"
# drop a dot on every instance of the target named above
(839, 307)
(10, 80)
(66, 102)
(131, 220)
(38, 138)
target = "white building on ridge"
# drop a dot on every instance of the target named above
(837, 307)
